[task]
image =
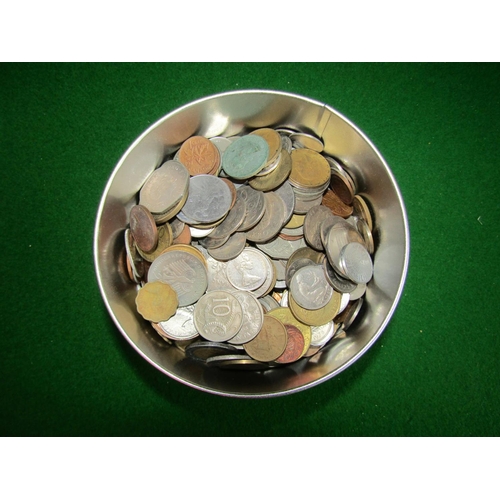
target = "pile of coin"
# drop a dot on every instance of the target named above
(250, 251)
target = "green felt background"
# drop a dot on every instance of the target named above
(65, 370)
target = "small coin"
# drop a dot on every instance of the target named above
(249, 270)
(199, 155)
(253, 317)
(294, 347)
(164, 241)
(362, 210)
(156, 301)
(218, 316)
(143, 228)
(270, 343)
(165, 187)
(245, 157)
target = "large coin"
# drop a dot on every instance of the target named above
(309, 287)
(218, 316)
(245, 157)
(309, 169)
(181, 325)
(253, 317)
(184, 272)
(270, 343)
(254, 206)
(209, 199)
(165, 187)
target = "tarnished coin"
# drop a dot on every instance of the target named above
(294, 347)
(255, 206)
(209, 199)
(292, 267)
(270, 343)
(278, 248)
(356, 263)
(335, 204)
(309, 287)
(276, 177)
(156, 301)
(199, 155)
(326, 225)
(339, 283)
(234, 245)
(245, 157)
(218, 316)
(249, 270)
(165, 188)
(143, 228)
(308, 141)
(134, 261)
(286, 193)
(272, 221)
(181, 325)
(184, 272)
(318, 316)
(273, 140)
(285, 315)
(309, 169)
(165, 240)
(253, 317)
(202, 350)
(232, 222)
(312, 223)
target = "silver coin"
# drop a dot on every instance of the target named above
(233, 220)
(202, 350)
(353, 313)
(358, 292)
(286, 193)
(217, 276)
(165, 187)
(278, 248)
(284, 299)
(356, 261)
(344, 301)
(293, 267)
(255, 206)
(302, 207)
(366, 234)
(326, 225)
(218, 316)
(320, 335)
(210, 242)
(280, 267)
(221, 143)
(253, 318)
(337, 238)
(270, 280)
(233, 246)
(307, 141)
(248, 271)
(272, 166)
(181, 325)
(209, 199)
(337, 282)
(296, 231)
(268, 303)
(310, 289)
(177, 227)
(272, 221)
(200, 233)
(183, 272)
(312, 222)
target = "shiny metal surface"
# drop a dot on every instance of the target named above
(229, 114)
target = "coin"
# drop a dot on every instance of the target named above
(156, 301)
(217, 276)
(233, 220)
(309, 168)
(218, 316)
(362, 210)
(278, 248)
(255, 206)
(310, 289)
(253, 317)
(164, 241)
(234, 245)
(341, 182)
(181, 325)
(209, 199)
(272, 221)
(202, 350)
(184, 237)
(356, 262)
(248, 270)
(350, 313)
(358, 292)
(143, 228)
(318, 316)
(366, 234)
(273, 140)
(245, 157)
(338, 237)
(312, 222)
(184, 272)
(294, 347)
(307, 141)
(199, 155)
(165, 187)
(321, 334)
(286, 193)
(241, 362)
(337, 282)
(276, 177)
(292, 267)
(270, 343)
(335, 204)
(285, 315)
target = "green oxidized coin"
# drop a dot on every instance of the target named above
(245, 157)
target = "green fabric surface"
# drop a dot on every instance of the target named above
(65, 369)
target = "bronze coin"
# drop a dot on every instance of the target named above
(143, 228)
(184, 237)
(199, 155)
(335, 204)
(294, 346)
(270, 342)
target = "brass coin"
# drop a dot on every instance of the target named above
(275, 178)
(270, 342)
(143, 228)
(361, 209)
(189, 249)
(309, 168)
(294, 346)
(308, 141)
(296, 221)
(156, 301)
(273, 140)
(319, 316)
(285, 315)
(164, 241)
(199, 155)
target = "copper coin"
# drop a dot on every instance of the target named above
(199, 155)
(184, 237)
(335, 204)
(143, 228)
(294, 345)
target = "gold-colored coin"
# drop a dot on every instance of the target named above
(188, 249)
(284, 314)
(156, 301)
(270, 342)
(361, 209)
(309, 169)
(273, 140)
(165, 238)
(275, 178)
(317, 317)
(296, 221)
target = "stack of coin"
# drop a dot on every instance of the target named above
(250, 252)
